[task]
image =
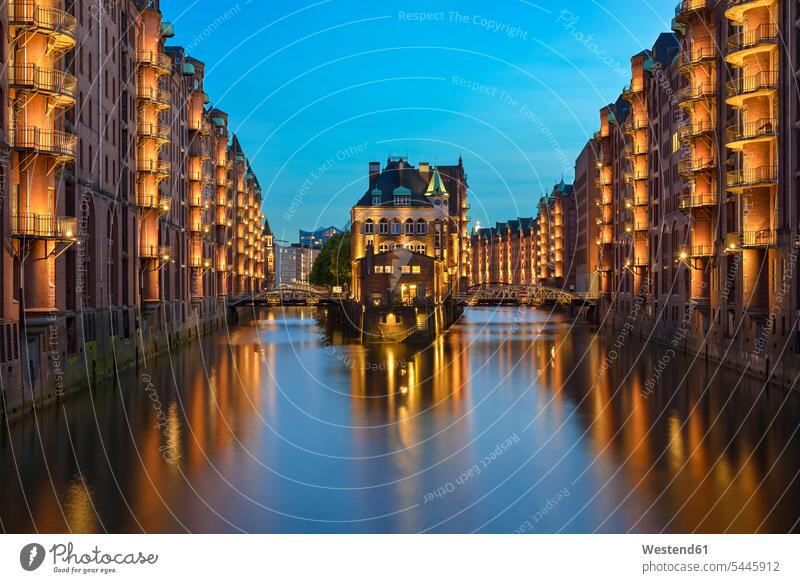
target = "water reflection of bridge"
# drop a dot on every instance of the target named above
(497, 293)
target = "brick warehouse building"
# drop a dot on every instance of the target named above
(697, 187)
(531, 251)
(111, 160)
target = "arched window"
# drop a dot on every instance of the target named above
(383, 227)
(383, 247)
(395, 227)
(422, 248)
(422, 227)
(369, 227)
(410, 227)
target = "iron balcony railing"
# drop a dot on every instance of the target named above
(28, 13)
(629, 91)
(752, 176)
(44, 226)
(697, 200)
(695, 91)
(39, 79)
(762, 81)
(747, 39)
(695, 250)
(635, 125)
(761, 238)
(687, 6)
(636, 175)
(693, 165)
(698, 53)
(162, 167)
(691, 130)
(155, 59)
(154, 131)
(154, 201)
(154, 94)
(150, 252)
(53, 142)
(752, 130)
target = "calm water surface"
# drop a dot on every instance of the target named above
(506, 423)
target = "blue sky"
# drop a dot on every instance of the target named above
(318, 88)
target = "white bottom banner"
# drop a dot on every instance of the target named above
(359, 558)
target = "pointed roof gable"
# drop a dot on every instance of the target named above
(436, 186)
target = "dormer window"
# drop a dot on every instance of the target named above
(376, 200)
(402, 196)
(377, 197)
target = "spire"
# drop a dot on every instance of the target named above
(436, 186)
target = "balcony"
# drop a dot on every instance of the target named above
(49, 142)
(161, 98)
(60, 86)
(161, 168)
(762, 130)
(57, 24)
(155, 252)
(692, 130)
(762, 238)
(694, 251)
(758, 85)
(154, 131)
(752, 177)
(636, 175)
(155, 60)
(635, 125)
(159, 202)
(44, 227)
(687, 8)
(636, 150)
(762, 38)
(630, 92)
(695, 92)
(698, 54)
(736, 8)
(702, 200)
(693, 166)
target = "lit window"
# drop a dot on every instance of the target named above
(406, 269)
(395, 227)
(383, 227)
(421, 248)
(421, 227)
(369, 227)
(416, 269)
(409, 227)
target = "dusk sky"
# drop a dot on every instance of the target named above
(316, 90)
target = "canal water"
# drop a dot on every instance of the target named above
(516, 420)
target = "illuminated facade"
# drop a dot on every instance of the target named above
(698, 222)
(118, 205)
(531, 251)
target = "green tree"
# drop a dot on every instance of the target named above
(332, 266)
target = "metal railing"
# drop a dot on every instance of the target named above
(44, 226)
(692, 165)
(746, 39)
(691, 130)
(155, 166)
(154, 59)
(153, 130)
(156, 94)
(154, 201)
(55, 142)
(696, 91)
(161, 252)
(752, 130)
(34, 77)
(697, 200)
(695, 250)
(762, 81)
(761, 238)
(29, 13)
(752, 176)
(687, 6)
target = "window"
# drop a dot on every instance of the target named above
(421, 248)
(402, 200)
(406, 269)
(380, 269)
(369, 227)
(416, 269)
(409, 227)
(395, 227)
(422, 228)
(383, 227)
(383, 248)
(376, 200)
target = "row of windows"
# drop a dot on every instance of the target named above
(410, 227)
(418, 248)
(403, 269)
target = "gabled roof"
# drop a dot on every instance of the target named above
(398, 173)
(436, 186)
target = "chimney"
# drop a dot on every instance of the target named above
(374, 172)
(425, 171)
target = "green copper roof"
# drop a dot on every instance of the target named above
(402, 191)
(436, 186)
(188, 69)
